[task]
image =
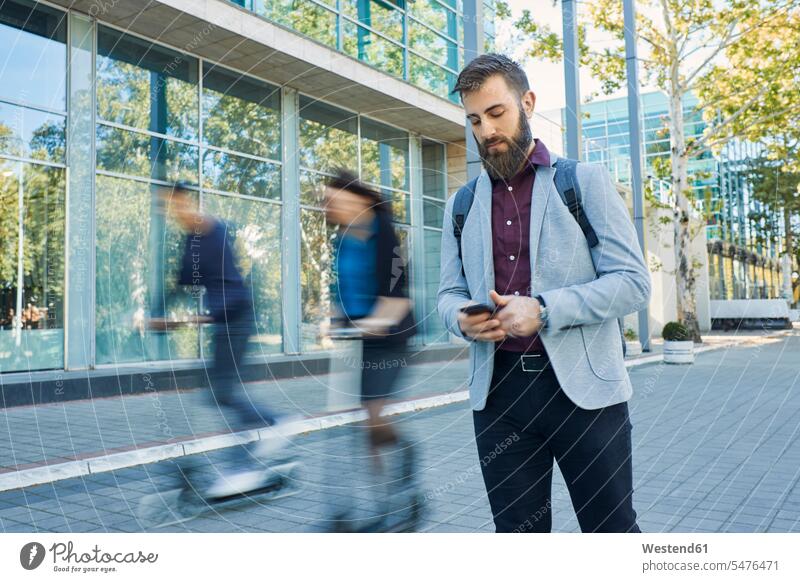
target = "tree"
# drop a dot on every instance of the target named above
(686, 44)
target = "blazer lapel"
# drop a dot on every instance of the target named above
(542, 185)
(483, 206)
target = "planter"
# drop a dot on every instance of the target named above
(678, 352)
(633, 348)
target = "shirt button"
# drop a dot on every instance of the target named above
(510, 189)
(512, 257)
(508, 222)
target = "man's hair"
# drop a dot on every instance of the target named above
(484, 66)
(346, 180)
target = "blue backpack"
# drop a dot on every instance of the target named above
(566, 183)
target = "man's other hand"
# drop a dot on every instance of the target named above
(517, 316)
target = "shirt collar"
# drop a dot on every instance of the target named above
(539, 156)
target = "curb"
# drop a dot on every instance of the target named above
(122, 460)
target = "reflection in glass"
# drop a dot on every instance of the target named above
(401, 206)
(432, 324)
(434, 15)
(146, 86)
(304, 16)
(34, 68)
(430, 76)
(240, 175)
(312, 188)
(127, 277)
(434, 212)
(30, 133)
(381, 15)
(32, 212)
(257, 244)
(366, 46)
(433, 170)
(436, 48)
(328, 136)
(384, 155)
(241, 113)
(316, 277)
(137, 154)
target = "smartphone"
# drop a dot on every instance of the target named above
(477, 308)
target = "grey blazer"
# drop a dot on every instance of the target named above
(585, 290)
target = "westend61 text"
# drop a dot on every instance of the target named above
(671, 549)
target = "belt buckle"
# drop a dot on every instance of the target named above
(535, 362)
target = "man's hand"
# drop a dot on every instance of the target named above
(481, 327)
(518, 316)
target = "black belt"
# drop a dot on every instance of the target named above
(528, 362)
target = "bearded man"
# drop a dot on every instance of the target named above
(551, 272)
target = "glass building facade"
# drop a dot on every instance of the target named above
(421, 41)
(742, 264)
(95, 120)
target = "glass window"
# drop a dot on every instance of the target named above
(427, 75)
(384, 155)
(380, 15)
(434, 172)
(126, 213)
(304, 16)
(34, 68)
(257, 244)
(433, 211)
(30, 133)
(432, 323)
(436, 48)
(146, 86)
(137, 154)
(241, 175)
(241, 114)
(312, 187)
(366, 46)
(316, 277)
(434, 15)
(401, 205)
(328, 136)
(31, 284)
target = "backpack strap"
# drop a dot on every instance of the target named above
(566, 182)
(461, 207)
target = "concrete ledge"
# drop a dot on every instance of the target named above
(25, 389)
(46, 473)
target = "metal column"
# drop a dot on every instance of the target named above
(290, 222)
(473, 34)
(572, 85)
(635, 130)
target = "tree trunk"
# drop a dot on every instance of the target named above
(685, 276)
(788, 249)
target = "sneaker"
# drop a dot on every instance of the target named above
(236, 483)
(275, 437)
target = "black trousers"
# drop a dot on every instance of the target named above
(527, 423)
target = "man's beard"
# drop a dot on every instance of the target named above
(505, 165)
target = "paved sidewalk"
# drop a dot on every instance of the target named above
(716, 448)
(45, 442)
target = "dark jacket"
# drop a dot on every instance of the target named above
(391, 272)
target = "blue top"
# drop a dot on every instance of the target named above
(208, 261)
(357, 285)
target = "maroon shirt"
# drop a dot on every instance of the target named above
(511, 227)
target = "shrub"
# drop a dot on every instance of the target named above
(630, 335)
(675, 332)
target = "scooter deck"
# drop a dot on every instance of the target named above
(183, 504)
